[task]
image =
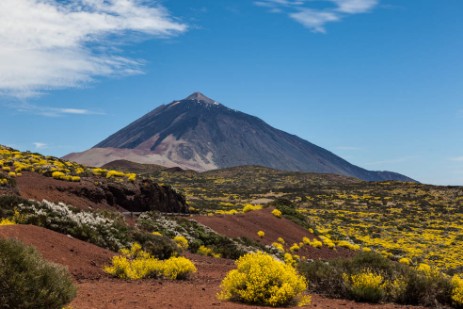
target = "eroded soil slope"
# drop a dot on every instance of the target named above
(248, 224)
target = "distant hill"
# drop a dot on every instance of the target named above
(201, 134)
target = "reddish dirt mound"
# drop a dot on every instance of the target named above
(84, 260)
(38, 187)
(247, 225)
(101, 192)
(96, 290)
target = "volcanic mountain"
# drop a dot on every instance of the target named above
(201, 134)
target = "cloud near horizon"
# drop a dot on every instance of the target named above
(314, 16)
(40, 145)
(51, 44)
(48, 111)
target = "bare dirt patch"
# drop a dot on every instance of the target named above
(84, 260)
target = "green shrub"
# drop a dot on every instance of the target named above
(262, 280)
(158, 246)
(400, 283)
(9, 202)
(428, 289)
(28, 281)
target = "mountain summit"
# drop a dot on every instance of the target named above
(198, 96)
(210, 135)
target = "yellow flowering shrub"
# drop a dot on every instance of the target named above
(425, 269)
(203, 250)
(457, 290)
(405, 261)
(261, 234)
(113, 173)
(177, 268)
(6, 222)
(281, 240)
(295, 247)
(277, 213)
(289, 259)
(348, 245)
(262, 280)
(225, 212)
(250, 207)
(134, 264)
(99, 172)
(327, 242)
(278, 246)
(313, 243)
(181, 242)
(131, 177)
(366, 286)
(58, 175)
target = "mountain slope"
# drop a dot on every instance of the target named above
(201, 134)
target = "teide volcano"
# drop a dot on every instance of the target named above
(201, 134)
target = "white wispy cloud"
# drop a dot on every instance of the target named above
(355, 6)
(457, 159)
(316, 14)
(50, 111)
(49, 44)
(40, 145)
(314, 20)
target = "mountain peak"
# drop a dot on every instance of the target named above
(200, 134)
(198, 96)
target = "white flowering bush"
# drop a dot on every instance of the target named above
(98, 228)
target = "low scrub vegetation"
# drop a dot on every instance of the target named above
(27, 281)
(370, 277)
(15, 162)
(104, 229)
(195, 234)
(260, 279)
(135, 263)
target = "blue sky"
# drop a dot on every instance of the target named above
(377, 82)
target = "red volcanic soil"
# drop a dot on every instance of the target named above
(38, 187)
(84, 260)
(248, 224)
(96, 290)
